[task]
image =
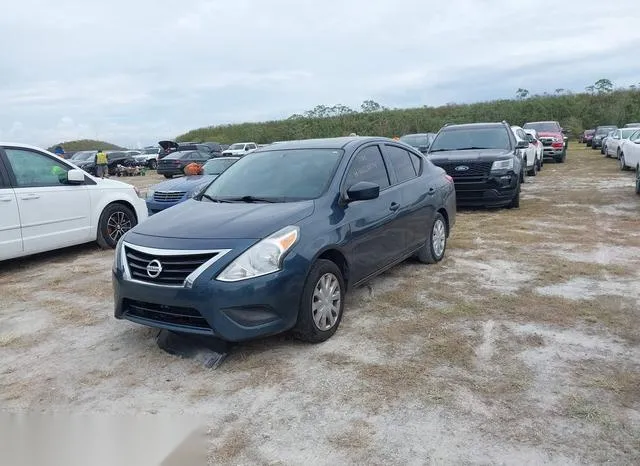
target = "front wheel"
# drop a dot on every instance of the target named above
(153, 164)
(322, 303)
(115, 221)
(433, 249)
(534, 170)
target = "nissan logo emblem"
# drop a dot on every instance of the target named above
(154, 268)
(462, 168)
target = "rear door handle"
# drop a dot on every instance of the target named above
(394, 206)
(28, 197)
(431, 191)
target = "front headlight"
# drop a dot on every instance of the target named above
(118, 261)
(502, 165)
(150, 194)
(262, 258)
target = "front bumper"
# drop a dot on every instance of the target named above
(549, 152)
(596, 143)
(496, 190)
(153, 207)
(170, 171)
(236, 311)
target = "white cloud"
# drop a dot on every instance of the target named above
(138, 71)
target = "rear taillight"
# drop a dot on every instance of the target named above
(557, 145)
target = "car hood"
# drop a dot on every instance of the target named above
(215, 221)
(484, 155)
(186, 183)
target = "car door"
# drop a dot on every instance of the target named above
(372, 242)
(613, 143)
(53, 214)
(632, 150)
(10, 234)
(417, 206)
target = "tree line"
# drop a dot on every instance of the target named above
(600, 103)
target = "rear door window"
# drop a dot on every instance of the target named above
(400, 160)
(368, 165)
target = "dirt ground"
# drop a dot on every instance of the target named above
(521, 347)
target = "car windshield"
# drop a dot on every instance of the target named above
(589, 132)
(543, 127)
(471, 138)
(277, 176)
(116, 155)
(84, 155)
(605, 129)
(416, 140)
(236, 147)
(217, 166)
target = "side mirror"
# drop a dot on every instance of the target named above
(75, 176)
(522, 145)
(363, 191)
(423, 149)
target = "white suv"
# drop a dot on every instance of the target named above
(240, 149)
(47, 203)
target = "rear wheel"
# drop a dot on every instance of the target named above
(621, 162)
(115, 220)
(534, 170)
(153, 164)
(322, 303)
(433, 249)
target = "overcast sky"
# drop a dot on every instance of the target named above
(136, 71)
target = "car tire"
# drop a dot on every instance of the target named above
(435, 246)
(153, 164)
(534, 170)
(168, 176)
(318, 326)
(621, 163)
(603, 150)
(638, 179)
(116, 219)
(523, 172)
(618, 154)
(515, 202)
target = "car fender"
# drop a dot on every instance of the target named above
(101, 198)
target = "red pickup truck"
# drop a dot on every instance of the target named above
(553, 139)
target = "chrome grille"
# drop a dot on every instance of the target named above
(474, 169)
(168, 196)
(167, 267)
(546, 141)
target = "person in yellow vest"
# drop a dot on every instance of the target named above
(101, 164)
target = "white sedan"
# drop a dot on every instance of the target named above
(47, 203)
(612, 146)
(530, 153)
(630, 152)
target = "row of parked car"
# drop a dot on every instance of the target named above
(273, 240)
(622, 144)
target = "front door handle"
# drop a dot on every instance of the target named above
(28, 197)
(431, 191)
(394, 206)
(5, 199)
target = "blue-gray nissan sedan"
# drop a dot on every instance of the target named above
(276, 240)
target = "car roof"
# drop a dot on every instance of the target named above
(224, 158)
(473, 125)
(546, 121)
(325, 143)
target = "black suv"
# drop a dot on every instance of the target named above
(484, 160)
(600, 134)
(169, 147)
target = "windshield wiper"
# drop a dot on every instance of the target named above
(212, 199)
(248, 199)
